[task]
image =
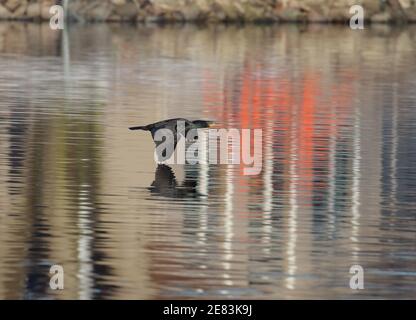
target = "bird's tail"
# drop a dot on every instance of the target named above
(139, 128)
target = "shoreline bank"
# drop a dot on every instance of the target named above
(211, 11)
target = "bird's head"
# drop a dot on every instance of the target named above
(203, 123)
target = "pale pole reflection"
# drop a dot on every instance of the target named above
(293, 211)
(85, 268)
(355, 190)
(268, 190)
(203, 189)
(393, 154)
(203, 176)
(332, 171)
(66, 57)
(228, 225)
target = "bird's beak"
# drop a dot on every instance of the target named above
(211, 124)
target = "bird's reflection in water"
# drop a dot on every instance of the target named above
(166, 184)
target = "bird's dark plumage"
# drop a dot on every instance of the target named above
(171, 124)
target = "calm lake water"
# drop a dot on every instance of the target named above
(337, 188)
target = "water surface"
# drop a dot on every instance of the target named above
(337, 187)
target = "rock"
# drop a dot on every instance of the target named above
(193, 12)
(126, 11)
(409, 7)
(20, 11)
(99, 13)
(291, 14)
(4, 13)
(152, 19)
(12, 5)
(382, 17)
(141, 17)
(411, 14)
(406, 4)
(230, 9)
(114, 18)
(316, 17)
(33, 10)
(250, 11)
(118, 2)
(44, 12)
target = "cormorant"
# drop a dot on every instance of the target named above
(172, 124)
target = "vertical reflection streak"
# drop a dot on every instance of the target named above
(393, 154)
(203, 187)
(228, 225)
(66, 54)
(268, 190)
(85, 270)
(293, 211)
(356, 176)
(332, 171)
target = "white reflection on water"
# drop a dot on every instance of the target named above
(355, 188)
(85, 267)
(293, 209)
(228, 225)
(267, 191)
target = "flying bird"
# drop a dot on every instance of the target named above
(172, 125)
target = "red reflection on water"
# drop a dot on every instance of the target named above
(311, 107)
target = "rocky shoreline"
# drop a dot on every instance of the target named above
(384, 11)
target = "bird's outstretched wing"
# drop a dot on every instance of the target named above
(172, 125)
